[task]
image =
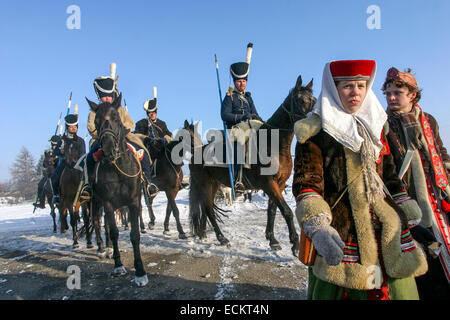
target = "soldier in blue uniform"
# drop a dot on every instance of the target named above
(71, 121)
(238, 106)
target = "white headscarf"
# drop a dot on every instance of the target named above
(342, 125)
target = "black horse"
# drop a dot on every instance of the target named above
(168, 178)
(117, 184)
(205, 180)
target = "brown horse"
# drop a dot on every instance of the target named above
(69, 182)
(205, 180)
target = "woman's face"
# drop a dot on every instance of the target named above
(352, 94)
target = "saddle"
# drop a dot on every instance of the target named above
(239, 133)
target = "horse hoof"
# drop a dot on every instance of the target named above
(143, 231)
(89, 246)
(119, 271)
(166, 232)
(101, 254)
(141, 281)
(275, 246)
(151, 226)
(182, 236)
(109, 253)
(75, 246)
(225, 242)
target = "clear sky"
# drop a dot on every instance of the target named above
(171, 44)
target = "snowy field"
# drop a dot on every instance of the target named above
(22, 230)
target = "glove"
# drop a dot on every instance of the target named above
(97, 155)
(325, 238)
(422, 235)
(256, 117)
(245, 117)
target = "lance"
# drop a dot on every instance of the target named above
(59, 123)
(125, 103)
(230, 170)
(68, 105)
(67, 113)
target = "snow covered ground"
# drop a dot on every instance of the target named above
(22, 230)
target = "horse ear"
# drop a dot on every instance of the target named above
(298, 85)
(186, 124)
(118, 101)
(310, 84)
(92, 105)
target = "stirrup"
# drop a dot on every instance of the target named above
(86, 193)
(239, 187)
(152, 189)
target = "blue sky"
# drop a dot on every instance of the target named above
(171, 45)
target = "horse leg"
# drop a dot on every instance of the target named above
(74, 223)
(141, 221)
(275, 194)
(271, 213)
(140, 275)
(96, 219)
(176, 214)
(85, 214)
(53, 214)
(110, 221)
(151, 215)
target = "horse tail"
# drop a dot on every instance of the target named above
(198, 207)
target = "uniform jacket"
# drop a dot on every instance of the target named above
(235, 106)
(59, 147)
(327, 168)
(126, 119)
(153, 129)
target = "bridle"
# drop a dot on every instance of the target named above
(116, 153)
(293, 116)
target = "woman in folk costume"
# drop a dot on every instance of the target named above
(361, 236)
(422, 162)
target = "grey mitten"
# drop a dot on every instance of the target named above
(325, 238)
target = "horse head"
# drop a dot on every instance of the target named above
(195, 137)
(111, 132)
(71, 151)
(300, 100)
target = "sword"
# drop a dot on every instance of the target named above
(406, 163)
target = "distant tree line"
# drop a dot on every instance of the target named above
(25, 175)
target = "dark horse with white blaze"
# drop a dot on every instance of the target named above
(117, 184)
(205, 180)
(69, 182)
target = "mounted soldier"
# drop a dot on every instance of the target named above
(71, 121)
(50, 163)
(238, 111)
(423, 163)
(151, 126)
(106, 90)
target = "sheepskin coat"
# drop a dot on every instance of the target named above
(377, 238)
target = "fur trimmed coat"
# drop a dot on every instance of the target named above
(376, 237)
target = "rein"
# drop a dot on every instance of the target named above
(117, 153)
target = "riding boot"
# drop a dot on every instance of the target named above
(239, 187)
(40, 197)
(146, 168)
